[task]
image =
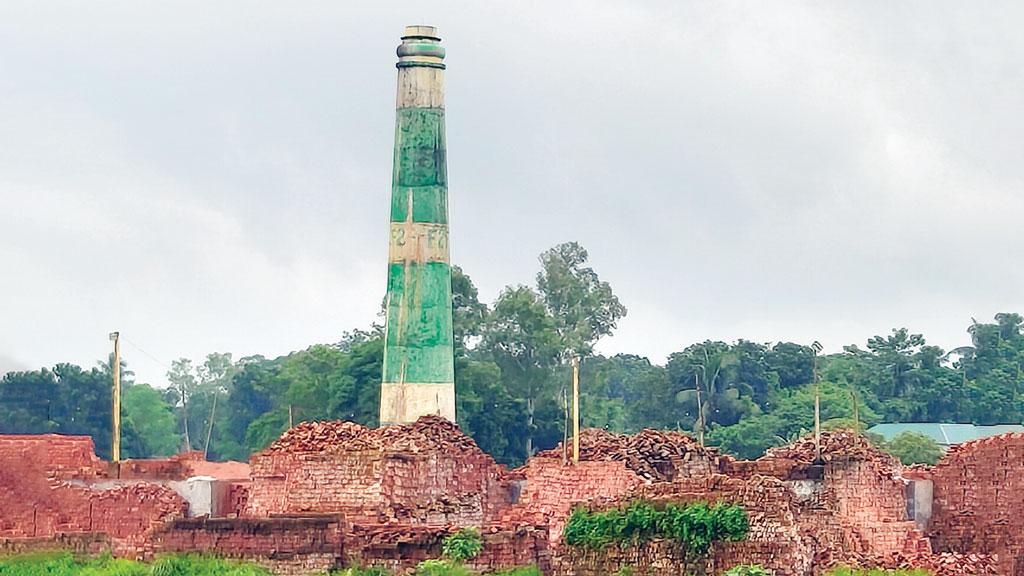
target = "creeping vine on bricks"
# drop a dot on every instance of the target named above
(695, 526)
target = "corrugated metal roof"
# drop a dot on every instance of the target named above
(944, 434)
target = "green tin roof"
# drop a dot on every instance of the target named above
(944, 434)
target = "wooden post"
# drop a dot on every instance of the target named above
(816, 348)
(700, 412)
(576, 410)
(115, 449)
(565, 427)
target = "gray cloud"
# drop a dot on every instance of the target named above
(215, 176)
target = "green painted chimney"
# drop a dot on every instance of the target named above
(419, 366)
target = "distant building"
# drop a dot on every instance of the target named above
(945, 435)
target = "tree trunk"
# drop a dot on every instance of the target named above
(209, 431)
(184, 410)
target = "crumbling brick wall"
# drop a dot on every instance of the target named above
(548, 489)
(804, 517)
(400, 548)
(423, 473)
(776, 539)
(44, 492)
(871, 506)
(287, 546)
(977, 505)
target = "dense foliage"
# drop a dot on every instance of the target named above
(64, 564)
(694, 526)
(512, 372)
(913, 448)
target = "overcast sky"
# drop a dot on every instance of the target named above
(214, 176)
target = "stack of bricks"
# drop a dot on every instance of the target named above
(425, 473)
(129, 514)
(654, 455)
(401, 548)
(978, 506)
(287, 546)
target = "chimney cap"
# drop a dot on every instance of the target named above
(421, 31)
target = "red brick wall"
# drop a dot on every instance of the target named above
(38, 499)
(776, 539)
(80, 544)
(796, 528)
(978, 505)
(872, 508)
(402, 547)
(66, 457)
(549, 489)
(377, 486)
(299, 546)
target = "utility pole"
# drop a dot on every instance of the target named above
(700, 412)
(115, 450)
(816, 348)
(575, 409)
(565, 427)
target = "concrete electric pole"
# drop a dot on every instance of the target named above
(115, 369)
(575, 410)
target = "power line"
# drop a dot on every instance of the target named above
(140, 349)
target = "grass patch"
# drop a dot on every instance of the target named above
(65, 564)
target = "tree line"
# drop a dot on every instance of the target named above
(512, 368)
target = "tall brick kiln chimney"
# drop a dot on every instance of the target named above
(419, 366)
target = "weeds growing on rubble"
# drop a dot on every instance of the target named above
(877, 572)
(696, 526)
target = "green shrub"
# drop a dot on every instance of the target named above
(695, 526)
(747, 570)
(463, 545)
